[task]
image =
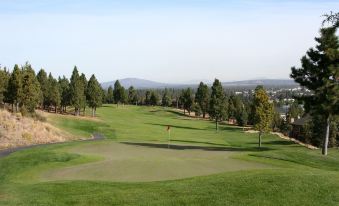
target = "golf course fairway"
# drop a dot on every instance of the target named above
(134, 165)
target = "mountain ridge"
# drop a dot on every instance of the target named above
(149, 84)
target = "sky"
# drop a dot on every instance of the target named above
(174, 41)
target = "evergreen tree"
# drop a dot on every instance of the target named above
(4, 77)
(14, 91)
(186, 99)
(30, 89)
(263, 112)
(132, 95)
(84, 83)
(166, 99)
(64, 87)
(202, 97)
(148, 97)
(218, 104)
(118, 93)
(54, 96)
(154, 99)
(76, 91)
(319, 73)
(45, 87)
(94, 94)
(110, 96)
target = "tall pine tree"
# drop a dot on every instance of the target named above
(319, 73)
(94, 94)
(218, 104)
(202, 97)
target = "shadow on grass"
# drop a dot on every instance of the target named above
(280, 142)
(175, 126)
(176, 112)
(191, 147)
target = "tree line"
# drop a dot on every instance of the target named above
(26, 91)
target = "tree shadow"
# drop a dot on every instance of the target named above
(191, 147)
(280, 142)
(176, 113)
(197, 142)
(175, 126)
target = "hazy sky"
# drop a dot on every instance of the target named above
(169, 41)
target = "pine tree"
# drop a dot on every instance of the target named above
(110, 96)
(132, 95)
(76, 91)
(263, 112)
(118, 93)
(4, 78)
(84, 83)
(154, 99)
(30, 89)
(94, 94)
(202, 97)
(54, 96)
(166, 99)
(64, 93)
(14, 91)
(218, 104)
(148, 97)
(45, 88)
(319, 73)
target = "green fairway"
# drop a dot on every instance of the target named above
(133, 166)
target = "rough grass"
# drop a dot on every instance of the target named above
(16, 130)
(298, 176)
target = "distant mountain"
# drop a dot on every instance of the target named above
(141, 84)
(264, 82)
(147, 84)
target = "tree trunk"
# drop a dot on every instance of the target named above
(17, 107)
(325, 145)
(12, 108)
(260, 139)
(55, 109)
(93, 112)
(203, 115)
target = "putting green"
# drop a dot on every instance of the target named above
(141, 162)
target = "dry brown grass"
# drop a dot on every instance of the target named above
(16, 130)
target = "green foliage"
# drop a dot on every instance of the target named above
(218, 104)
(4, 77)
(166, 99)
(31, 92)
(132, 95)
(65, 95)
(147, 97)
(186, 99)
(154, 99)
(110, 96)
(77, 91)
(119, 93)
(45, 87)
(263, 112)
(202, 97)
(94, 94)
(54, 96)
(319, 73)
(14, 90)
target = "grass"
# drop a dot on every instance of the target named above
(116, 173)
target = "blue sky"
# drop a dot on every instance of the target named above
(169, 41)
